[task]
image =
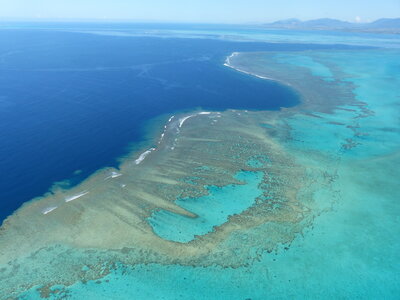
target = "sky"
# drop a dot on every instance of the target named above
(203, 11)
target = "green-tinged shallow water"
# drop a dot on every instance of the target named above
(352, 249)
(317, 69)
(339, 235)
(211, 210)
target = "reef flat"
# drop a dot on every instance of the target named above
(109, 211)
(325, 202)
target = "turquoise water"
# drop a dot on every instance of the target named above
(352, 249)
(375, 76)
(223, 32)
(211, 210)
(258, 161)
(254, 163)
(317, 69)
(351, 252)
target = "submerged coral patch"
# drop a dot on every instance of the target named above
(210, 210)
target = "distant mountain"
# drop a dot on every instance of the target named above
(287, 22)
(320, 23)
(385, 23)
(381, 25)
(312, 24)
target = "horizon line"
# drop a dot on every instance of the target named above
(112, 20)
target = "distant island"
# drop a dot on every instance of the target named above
(385, 25)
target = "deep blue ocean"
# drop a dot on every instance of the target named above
(75, 101)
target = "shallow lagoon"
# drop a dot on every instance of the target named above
(345, 245)
(211, 210)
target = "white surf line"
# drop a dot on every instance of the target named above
(216, 115)
(161, 137)
(249, 73)
(72, 198)
(113, 175)
(182, 120)
(228, 59)
(165, 129)
(48, 210)
(228, 64)
(143, 155)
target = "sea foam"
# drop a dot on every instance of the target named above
(143, 155)
(113, 175)
(72, 198)
(48, 210)
(182, 120)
